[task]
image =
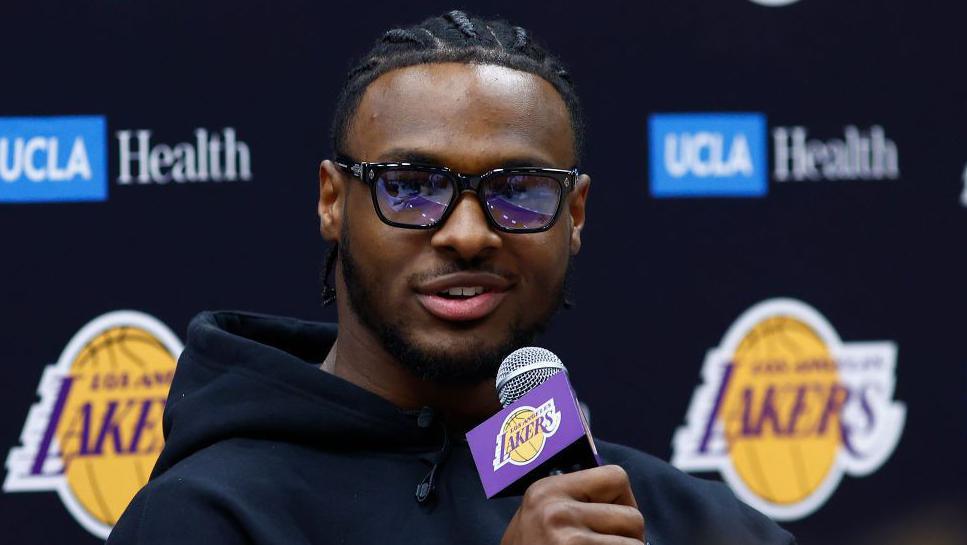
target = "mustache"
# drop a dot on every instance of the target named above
(462, 266)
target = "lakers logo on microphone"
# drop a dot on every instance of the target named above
(786, 409)
(524, 433)
(96, 432)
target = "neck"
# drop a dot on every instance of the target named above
(359, 357)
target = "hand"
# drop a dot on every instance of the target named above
(593, 506)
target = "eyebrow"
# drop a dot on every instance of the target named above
(404, 155)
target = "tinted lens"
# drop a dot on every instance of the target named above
(413, 197)
(522, 201)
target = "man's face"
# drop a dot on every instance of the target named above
(470, 118)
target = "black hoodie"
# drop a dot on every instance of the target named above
(263, 447)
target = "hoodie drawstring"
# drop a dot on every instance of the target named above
(427, 487)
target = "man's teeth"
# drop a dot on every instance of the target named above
(463, 292)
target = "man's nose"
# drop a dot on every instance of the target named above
(466, 233)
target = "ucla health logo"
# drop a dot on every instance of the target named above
(524, 433)
(786, 408)
(50, 159)
(96, 432)
(708, 155)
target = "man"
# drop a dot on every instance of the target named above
(455, 203)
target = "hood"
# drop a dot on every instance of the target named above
(245, 375)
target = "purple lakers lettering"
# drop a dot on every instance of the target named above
(122, 426)
(795, 410)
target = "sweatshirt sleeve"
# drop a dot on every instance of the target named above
(174, 511)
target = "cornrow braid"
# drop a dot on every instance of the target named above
(462, 22)
(454, 37)
(399, 36)
(520, 38)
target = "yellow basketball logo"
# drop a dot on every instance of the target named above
(96, 433)
(786, 408)
(524, 432)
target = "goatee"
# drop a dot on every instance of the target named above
(469, 363)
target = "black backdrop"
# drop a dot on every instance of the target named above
(658, 282)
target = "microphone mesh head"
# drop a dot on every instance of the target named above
(523, 370)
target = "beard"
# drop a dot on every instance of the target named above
(470, 361)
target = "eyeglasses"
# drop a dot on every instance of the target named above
(413, 196)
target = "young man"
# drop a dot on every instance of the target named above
(455, 204)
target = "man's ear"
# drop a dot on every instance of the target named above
(332, 196)
(576, 208)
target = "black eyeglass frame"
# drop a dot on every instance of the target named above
(368, 173)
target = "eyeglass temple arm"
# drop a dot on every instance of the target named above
(350, 165)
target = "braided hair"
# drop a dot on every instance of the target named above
(452, 37)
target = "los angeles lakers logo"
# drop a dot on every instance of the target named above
(96, 432)
(786, 409)
(524, 433)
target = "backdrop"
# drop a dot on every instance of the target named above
(771, 289)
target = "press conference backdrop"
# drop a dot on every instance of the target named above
(771, 291)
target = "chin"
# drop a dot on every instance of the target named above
(451, 357)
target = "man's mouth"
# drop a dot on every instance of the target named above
(463, 297)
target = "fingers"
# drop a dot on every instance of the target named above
(599, 518)
(605, 484)
(616, 520)
(617, 540)
(594, 506)
(589, 538)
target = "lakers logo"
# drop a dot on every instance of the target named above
(786, 409)
(524, 432)
(96, 432)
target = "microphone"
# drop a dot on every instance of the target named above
(540, 431)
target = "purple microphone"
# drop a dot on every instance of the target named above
(541, 430)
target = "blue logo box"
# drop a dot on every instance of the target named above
(53, 159)
(708, 155)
